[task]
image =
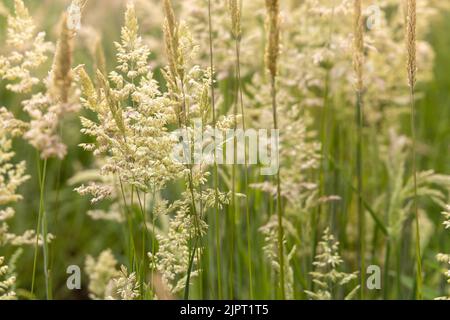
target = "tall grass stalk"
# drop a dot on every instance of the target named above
(144, 238)
(215, 171)
(233, 199)
(246, 177)
(412, 69)
(42, 173)
(324, 150)
(232, 209)
(358, 60)
(272, 53)
(279, 199)
(171, 34)
(235, 7)
(197, 234)
(126, 211)
(196, 224)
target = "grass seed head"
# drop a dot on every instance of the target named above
(235, 12)
(411, 42)
(273, 34)
(358, 44)
(61, 74)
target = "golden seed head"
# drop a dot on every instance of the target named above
(170, 16)
(112, 103)
(171, 40)
(87, 89)
(100, 60)
(235, 12)
(20, 8)
(131, 22)
(411, 42)
(273, 36)
(358, 44)
(62, 64)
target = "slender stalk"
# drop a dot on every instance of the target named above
(144, 240)
(415, 204)
(386, 270)
(42, 177)
(233, 206)
(196, 238)
(201, 257)
(57, 205)
(272, 54)
(324, 148)
(412, 69)
(279, 198)
(358, 61)
(189, 271)
(176, 73)
(191, 190)
(360, 207)
(130, 228)
(246, 179)
(153, 240)
(45, 246)
(398, 269)
(215, 171)
(236, 14)
(235, 26)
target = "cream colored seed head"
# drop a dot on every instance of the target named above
(411, 42)
(170, 16)
(235, 12)
(273, 34)
(62, 65)
(358, 45)
(171, 40)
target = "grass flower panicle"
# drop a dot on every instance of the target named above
(101, 271)
(7, 283)
(442, 257)
(327, 276)
(28, 51)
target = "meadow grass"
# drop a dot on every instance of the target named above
(357, 137)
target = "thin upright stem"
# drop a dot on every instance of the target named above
(143, 239)
(360, 206)
(246, 180)
(215, 171)
(415, 204)
(42, 177)
(232, 212)
(196, 237)
(133, 256)
(279, 198)
(192, 193)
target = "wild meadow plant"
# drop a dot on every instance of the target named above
(46, 108)
(134, 134)
(327, 277)
(442, 257)
(11, 178)
(358, 171)
(7, 282)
